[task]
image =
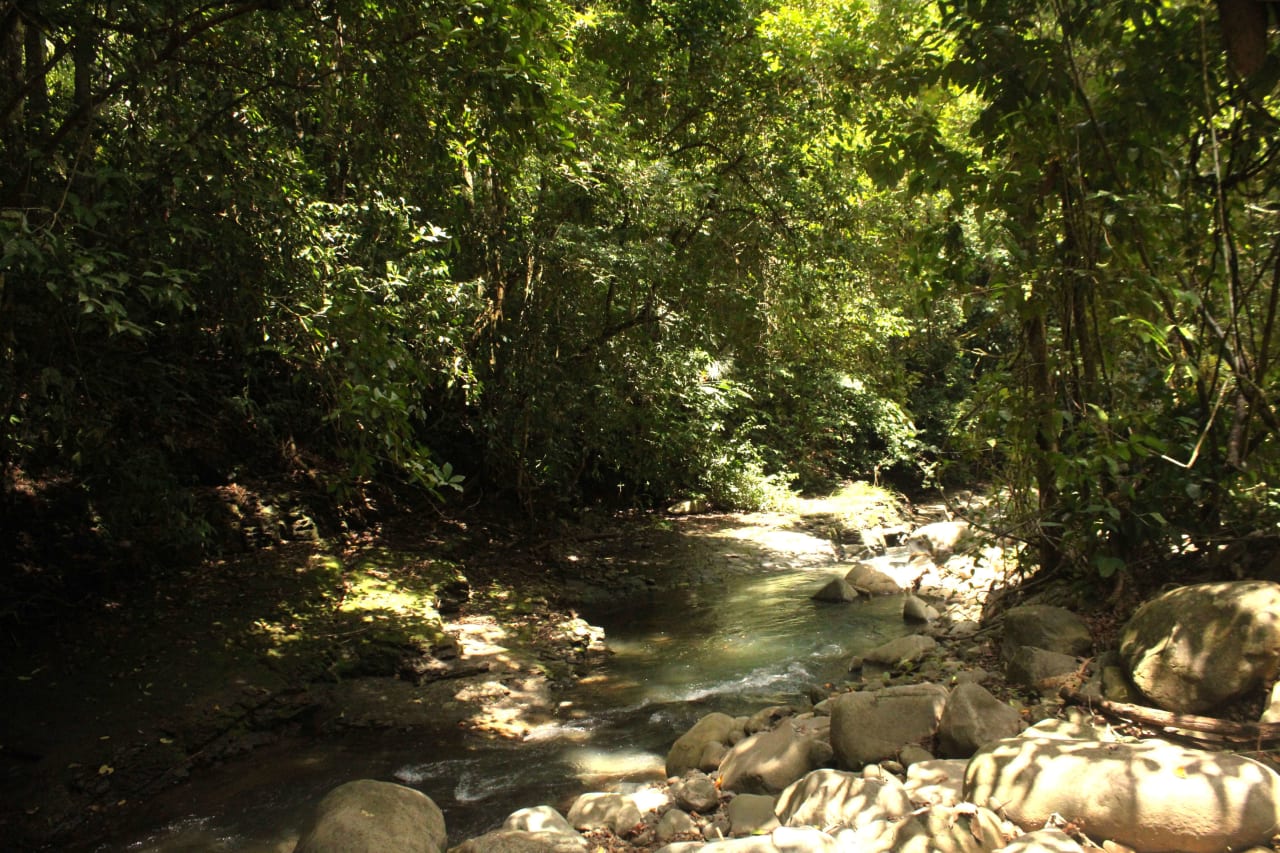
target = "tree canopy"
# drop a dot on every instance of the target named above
(630, 251)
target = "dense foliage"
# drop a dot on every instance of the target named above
(634, 251)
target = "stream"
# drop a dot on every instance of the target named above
(735, 645)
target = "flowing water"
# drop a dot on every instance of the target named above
(736, 646)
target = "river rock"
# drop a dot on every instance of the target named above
(1151, 796)
(597, 810)
(782, 840)
(899, 653)
(916, 609)
(674, 822)
(752, 814)
(1039, 669)
(1043, 841)
(836, 798)
(767, 718)
(520, 841)
(913, 753)
(939, 539)
(1044, 627)
(687, 752)
(972, 719)
(871, 580)
(837, 590)
(962, 829)
(885, 836)
(871, 726)
(696, 792)
(539, 819)
(368, 816)
(767, 762)
(1197, 647)
(939, 782)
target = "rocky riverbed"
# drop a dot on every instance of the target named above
(426, 639)
(1003, 734)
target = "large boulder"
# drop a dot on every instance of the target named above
(368, 816)
(1197, 647)
(686, 753)
(1043, 627)
(1040, 669)
(868, 727)
(835, 798)
(1151, 796)
(898, 653)
(972, 719)
(767, 762)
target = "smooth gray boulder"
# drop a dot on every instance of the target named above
(687, 752)
(1151, 796)
(368, 816)
(674, 822)
(752, 814)
(972, 719)
(767, 762)
(900, 652)
(597, 810)
(1198, 647)
(836, 798)
(916, 609)
(867, 727)
(871, 581)
(696, 792)
(1044, 627)
(837, 590)
(1039, 669)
